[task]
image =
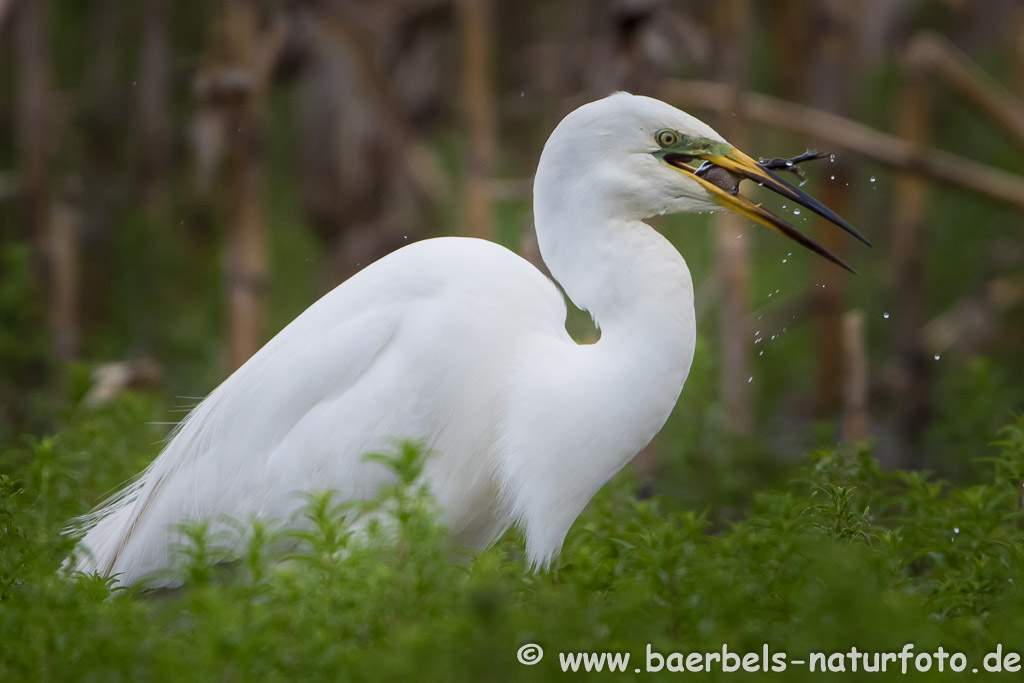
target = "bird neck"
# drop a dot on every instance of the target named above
(609, 398)
(638, 289)
(631, 279)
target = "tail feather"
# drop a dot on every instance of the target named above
(109, 545)
(107, 529)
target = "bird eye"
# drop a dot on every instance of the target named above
(666, 137)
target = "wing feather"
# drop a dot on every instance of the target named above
(398, 350)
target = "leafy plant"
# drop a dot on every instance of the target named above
(847, 554)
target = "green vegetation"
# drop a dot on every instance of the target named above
(844, 555)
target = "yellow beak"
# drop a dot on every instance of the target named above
(740, 164)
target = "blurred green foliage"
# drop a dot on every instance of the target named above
(845, 554)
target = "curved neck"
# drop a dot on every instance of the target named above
(638, 289)
(631, 280)
(624, 386)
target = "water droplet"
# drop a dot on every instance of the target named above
(785, 260)
(783, 206)
(885, 315)
(956, 530)
(796, 212)
(831, 177)
(832, 158)
(133, 83)
(937, 356)
(749, 380)
(758, 333)
(773, 337)
(761, 353)
(872, 178)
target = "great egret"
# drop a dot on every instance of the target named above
(462, 344)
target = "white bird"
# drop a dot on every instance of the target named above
(461, 344)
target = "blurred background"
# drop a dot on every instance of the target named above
(179, 180)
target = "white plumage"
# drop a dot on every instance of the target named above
(459, 343)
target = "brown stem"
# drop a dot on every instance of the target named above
(476, 30)
(733, 260)
(854, 136)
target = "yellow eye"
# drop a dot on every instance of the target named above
(666, 137)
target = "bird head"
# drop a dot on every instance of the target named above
(641, 157)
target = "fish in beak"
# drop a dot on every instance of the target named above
(738, 164)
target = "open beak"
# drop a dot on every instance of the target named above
(740, 164)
